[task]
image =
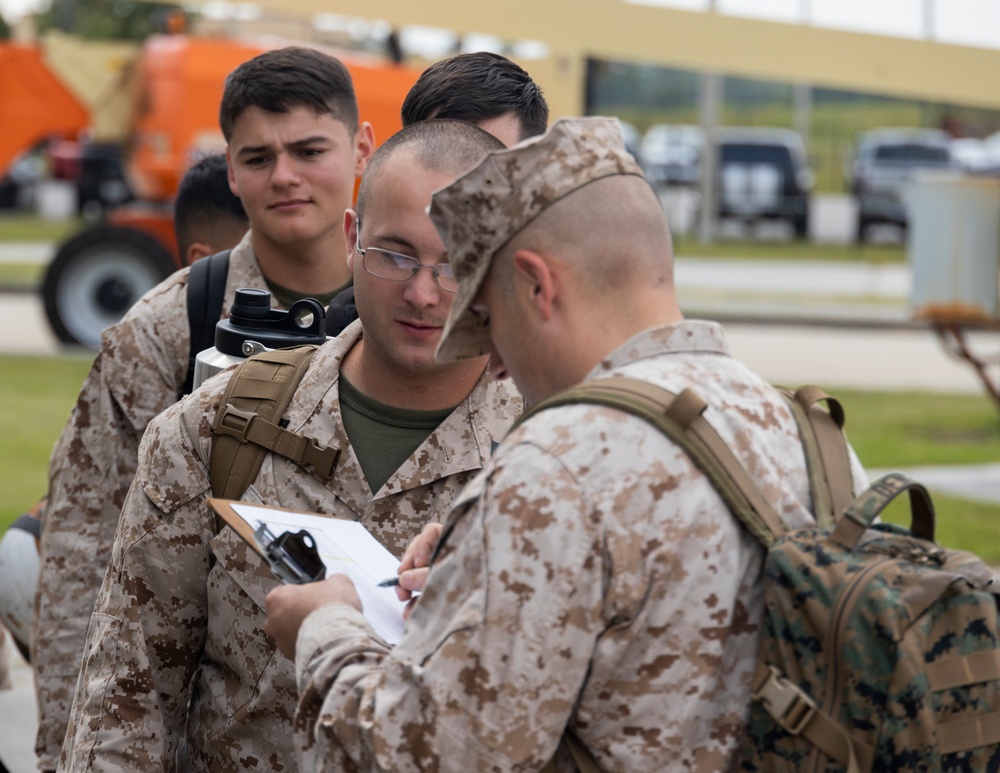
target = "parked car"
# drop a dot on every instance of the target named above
(764, 175)
(884, 161)
(977, 156)
(671, 154)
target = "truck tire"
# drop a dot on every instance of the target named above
(95, 278)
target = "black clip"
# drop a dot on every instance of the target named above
(293, 557)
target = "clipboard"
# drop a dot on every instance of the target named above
(344, 546)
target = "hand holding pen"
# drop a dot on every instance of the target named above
(413, 570)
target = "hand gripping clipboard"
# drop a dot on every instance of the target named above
(292, 556)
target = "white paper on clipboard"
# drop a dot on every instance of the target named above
(346, 547)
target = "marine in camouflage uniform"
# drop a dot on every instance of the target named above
(144, 361)
(590, 577)
(178, 670)
(138, 373)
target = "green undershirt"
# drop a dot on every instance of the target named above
(383, 436)
(287, 297)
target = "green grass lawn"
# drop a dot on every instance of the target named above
(21, 227)
(903, 429)
(36, 395)
(26, 275)
(907, 429)
(790, 250)
(888, 430)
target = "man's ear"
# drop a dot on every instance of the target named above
(533, 276)
(364, 146)
(351, 236)
(229, 173)
(197, 251)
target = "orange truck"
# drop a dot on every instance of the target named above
(176, 86)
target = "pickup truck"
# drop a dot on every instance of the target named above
(884, 161)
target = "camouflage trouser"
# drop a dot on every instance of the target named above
(4, 660)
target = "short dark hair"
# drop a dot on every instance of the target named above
(284, 78)
(476, 87)
(437, 144)
(205, 204)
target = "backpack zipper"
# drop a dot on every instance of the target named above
(836, 675)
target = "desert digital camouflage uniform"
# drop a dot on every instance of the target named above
(180, 615)
(5, 683)
(138, 372)
(590, 575)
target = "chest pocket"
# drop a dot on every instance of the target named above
(237, 562)
(239, 654)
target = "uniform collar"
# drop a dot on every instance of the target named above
(463, 441)
(687, 337)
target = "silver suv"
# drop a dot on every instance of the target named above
(884, 161)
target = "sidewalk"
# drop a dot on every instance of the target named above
(18, 717)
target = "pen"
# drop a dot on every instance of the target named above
(392, 582)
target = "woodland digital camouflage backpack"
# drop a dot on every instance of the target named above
(879, 649)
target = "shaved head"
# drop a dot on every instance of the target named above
(439, 145)
(612, 230)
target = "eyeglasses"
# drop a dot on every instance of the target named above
(396, 267)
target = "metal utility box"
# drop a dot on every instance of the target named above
(954, 247)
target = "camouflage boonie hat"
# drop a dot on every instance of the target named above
(482, 210)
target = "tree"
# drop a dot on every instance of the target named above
(106, 19)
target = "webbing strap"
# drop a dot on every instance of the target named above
(251, 428)
(961, 735)
(827, 458)
(866, 508)
(28, 523)
(206, 292)
(798, 714)
(246, 425)
(828, 428)
(680, 418)
(964, 670)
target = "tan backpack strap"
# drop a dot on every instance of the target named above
(798, 714)
(827, 454)
(246, 425)
(680, 418)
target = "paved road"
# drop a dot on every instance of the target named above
(872, 344)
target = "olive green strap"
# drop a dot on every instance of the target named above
(246, 425)
(827, 455)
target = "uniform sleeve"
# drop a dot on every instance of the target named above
(134, 377)
(487, 673)
(147, 627)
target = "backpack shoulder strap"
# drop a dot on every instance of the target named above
(827, 456)
(206, 292)
(341, 312)
(248, 423)
(680, 418)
